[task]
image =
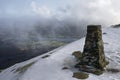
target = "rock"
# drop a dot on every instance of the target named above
(64, 68)
(80, 75)
(98, 72)
(45, 56)
(116, 26)
(77, 54)
(113, 70)
(89, 69)
(104, 33)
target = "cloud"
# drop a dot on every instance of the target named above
(41, 10)
(56, 20)
(96, 11)
(105, 12)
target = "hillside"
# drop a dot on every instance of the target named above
(59, 63)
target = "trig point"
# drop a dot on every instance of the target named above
(93, 52)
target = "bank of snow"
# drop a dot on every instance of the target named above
(50, 65)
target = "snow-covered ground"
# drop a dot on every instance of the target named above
(50, 65)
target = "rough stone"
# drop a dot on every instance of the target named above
(77, 54)
(80, 75)
(93, 57)
(93, 54)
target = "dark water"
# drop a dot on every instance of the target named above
(10, 54)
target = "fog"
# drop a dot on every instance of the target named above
(22, 20)
(22, 38)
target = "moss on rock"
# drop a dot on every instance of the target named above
(77, 54)
(80, 75)
(98, 72)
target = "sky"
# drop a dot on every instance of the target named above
(90, 11)
(30, 7)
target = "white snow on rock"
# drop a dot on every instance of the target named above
(50, 65)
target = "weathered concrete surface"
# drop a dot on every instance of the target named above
(93, 53)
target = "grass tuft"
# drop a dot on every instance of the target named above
(24, 68)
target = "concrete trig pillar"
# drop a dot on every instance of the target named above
(93, 53)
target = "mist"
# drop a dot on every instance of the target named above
(21, 19)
